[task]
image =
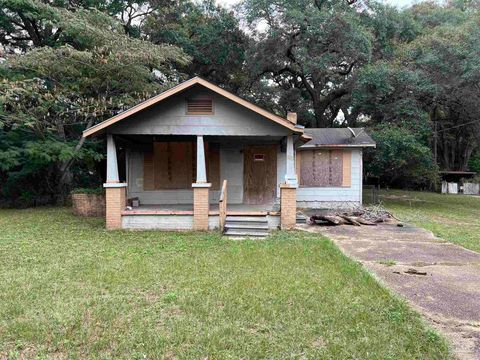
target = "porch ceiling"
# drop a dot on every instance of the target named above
(145, 140)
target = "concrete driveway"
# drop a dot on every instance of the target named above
(448, 295)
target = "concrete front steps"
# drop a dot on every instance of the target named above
(243, 226)
(301, 218)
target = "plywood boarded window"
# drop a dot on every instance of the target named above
(200, 105)
(172, 165)
(324, 168)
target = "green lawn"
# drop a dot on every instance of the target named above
(70, 289)
(455, 218)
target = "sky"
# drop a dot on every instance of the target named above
(399, 3)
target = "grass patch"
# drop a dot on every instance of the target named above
(69, 288)
(455, 218)
(388, 262)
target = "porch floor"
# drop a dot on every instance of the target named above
(187, 209)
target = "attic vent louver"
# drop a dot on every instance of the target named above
(200, 105)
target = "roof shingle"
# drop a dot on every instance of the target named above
(338, 137)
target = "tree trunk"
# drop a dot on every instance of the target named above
(65, 178)
(321, 120)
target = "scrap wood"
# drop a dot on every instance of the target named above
(370, 216)
(365, 222)
(412, 271)
(335, 220)
(350, 219)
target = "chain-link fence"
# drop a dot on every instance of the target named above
(370, 194)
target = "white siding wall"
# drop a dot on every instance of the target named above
(335, 197)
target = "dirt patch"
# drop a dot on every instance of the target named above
(439, 279)
(404, 198)
(450, 221)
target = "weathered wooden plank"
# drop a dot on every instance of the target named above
(173, 165)
(260, 174)
(222, 205)
(336, 168)
(306, 168)
(323, 168)
(347, 168)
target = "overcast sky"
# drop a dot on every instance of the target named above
(399, 3)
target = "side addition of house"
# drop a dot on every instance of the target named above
(199, 157)
(330, 168)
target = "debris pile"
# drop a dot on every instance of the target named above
(360, 216)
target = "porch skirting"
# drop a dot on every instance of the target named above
(178, 222)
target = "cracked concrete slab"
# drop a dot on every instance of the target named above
(408, 252)
(448, 295)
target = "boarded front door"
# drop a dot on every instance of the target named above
(260, 174)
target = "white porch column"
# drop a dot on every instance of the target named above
(201, 190)
(112, 163)
(290, 176)
(201, 166)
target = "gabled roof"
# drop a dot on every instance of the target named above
(183, 86)
(338, 137)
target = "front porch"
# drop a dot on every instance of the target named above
(181, 217)
(174, 183)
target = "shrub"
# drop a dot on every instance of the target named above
(93, 191)
(401, 159)
(474, 163)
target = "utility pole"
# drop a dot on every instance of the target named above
(435, 140)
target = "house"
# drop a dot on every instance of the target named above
(199, 157)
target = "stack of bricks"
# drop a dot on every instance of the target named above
(115, 199)
(88, 204)
(200, 208)
(288, 206)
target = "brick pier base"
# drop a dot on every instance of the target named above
(115, 204)
(200, 205)
(288, 206)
